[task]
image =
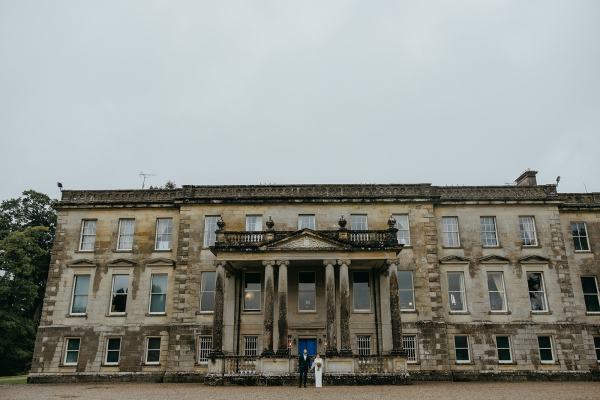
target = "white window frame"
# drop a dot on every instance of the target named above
(412, 290)
(543, 281)
(120, 234)
(364, 225)
(412, 355)
(202, 290)
(158, 293)
(306, 291)
(462, 292)
(75, 278)
(462, 348)
(82, 235)
(312, 221)
(363, 345)
(503, 292)
(170, 234)
(67, 339)
(509, 348)
(586, 237)
(148, 349)
(544, 348)
(522, 226)
(403, 233)
(596, 347)
(362, 310)
(106, 362)
(112, 293)
(251, 346)
(485, 225)
(210, 236)
(252, 227)
(259, 291)
(446, 232)
(590, 294)
(204, 348)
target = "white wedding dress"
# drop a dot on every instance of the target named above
(318, 371)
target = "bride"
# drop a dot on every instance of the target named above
(318, 367)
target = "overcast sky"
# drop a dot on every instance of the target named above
(199, 92)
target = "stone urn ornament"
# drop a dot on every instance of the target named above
(220, 223)
(270, 224)
(342, 222)
(391, 222)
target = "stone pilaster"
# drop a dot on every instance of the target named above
(395, 309)
(217, 331)
(269, 308)
(331, 347)
(282, 298)
(345, 346)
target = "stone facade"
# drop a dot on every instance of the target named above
(333, 252)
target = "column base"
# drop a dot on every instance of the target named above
(282, 353)
(216, 354)
(331, 353)
(398, 353)
(345, 353)
(267, 353)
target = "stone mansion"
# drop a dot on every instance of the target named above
(217, 283)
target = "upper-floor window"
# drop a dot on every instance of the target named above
(406, 290)
(252, 291)
(489, 235)
(72, 351)
(361, 291)
(363, 345)
(88, 235)
(450, 235)
(254, 223)
(580, 236)
(306, 221)
(126, 230)
(120, 288)
(590, 293)
(461, 349)
(307, 291)
(537, 291)
(403, 228)
(113, 351)
(528, 232)
(546, 350)
(358, 222)
(210, 229)
(164, 232)
(496, 292)
(81, 289)
(207, 291)
(158, 293)
(152, 350)
(456, 291)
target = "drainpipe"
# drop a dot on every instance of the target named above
(376, 291)
(239, 312)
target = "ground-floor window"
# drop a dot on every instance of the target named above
(461, 349)
(204, 348)
(113, 351)
(363, 345)
(546, 351)
(409, 342)
(251, 346)
(152, 350)
(597, 347)
(503, 347)
(72, 351)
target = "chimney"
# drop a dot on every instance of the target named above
(527, 178)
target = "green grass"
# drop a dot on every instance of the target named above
(13, 380)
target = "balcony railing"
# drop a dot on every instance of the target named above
(370, 365)
(240, 365)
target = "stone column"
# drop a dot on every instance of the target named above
(345, 346)
(331, 348)
(269, 308)
(397, 348)
(282, 298)
(217, 331)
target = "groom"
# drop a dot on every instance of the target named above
(304, 364)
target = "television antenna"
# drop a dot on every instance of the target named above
(144, 175)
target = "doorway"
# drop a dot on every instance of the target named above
(309, 344)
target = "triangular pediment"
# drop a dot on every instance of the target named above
(494, 259)
(454, 260)
(534, 259)
(305, 239)
(159, 262)
(122, 262)
(82, 262)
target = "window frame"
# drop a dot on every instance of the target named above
(81, 235)
(207, 239)
(361, 349)
(119, 248)
(75, 278)
(313, 218)
(165, 294)
(106, 350)
(259, 291)
(200, 359)
(509, 348)
(409, 359)
(445, 242)
(112, 294)
(248, 350)
(148, 350)
(412, 290)
(202, 291)
(597, 294)
(504, 297)
(543, 281)
(407, 230)
(535, 236)
(261, 223)
(170, 247)
(463, 292)
(366, 222)
(483, 232)
(553, 361)
(361, 310)
(456, 360)
(314, 274)
(596, 342)
(587, 237)
(66, 351)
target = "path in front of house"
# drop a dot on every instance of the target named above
(418, 391)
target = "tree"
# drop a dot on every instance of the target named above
(27, 227)
(170, 185)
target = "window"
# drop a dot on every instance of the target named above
(358, 222)
(461, 349)
(306, 221)
(489, 235)
(81, 288)
(113, 351)
(254, 223)
(546, 352)
(158, 293)
(72, 351)
(456, 291)
(537, 291)
(528, 233)
(409, 342)
(403, 229)
(580, 236)
(363, 345)
(597, 347)
(252, 291)
(590, 293)
(125, 239)
(88, 235)
(451, 237)
(251, 346)
(306, 291)
(210, 228)
(361, 291)
(204, 349)
(164, 231)
(207, 291)
(497, 294)
(503, 347)
(120, 287)
(152, 350)
(407, 290)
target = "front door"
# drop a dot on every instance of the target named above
(309, 344)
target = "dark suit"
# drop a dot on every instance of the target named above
(303, 367)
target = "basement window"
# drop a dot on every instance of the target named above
(546, 350)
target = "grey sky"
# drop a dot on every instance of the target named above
(449, 92)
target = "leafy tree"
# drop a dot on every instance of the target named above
(170, 185)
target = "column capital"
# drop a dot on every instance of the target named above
(282, 262)
(268, 262)
(220, 263)
(392, 261)
(329, 262)
(343, 262)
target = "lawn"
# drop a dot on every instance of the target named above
(13, 380)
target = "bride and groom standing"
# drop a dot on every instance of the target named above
(305, 363)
